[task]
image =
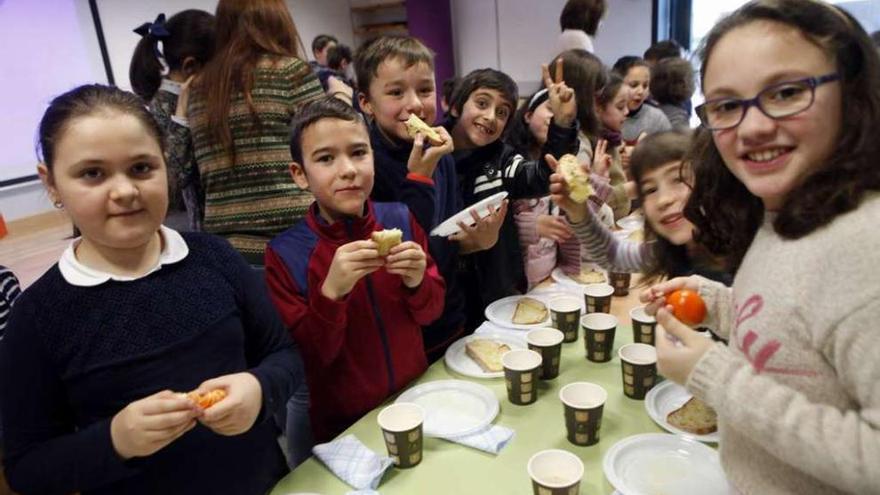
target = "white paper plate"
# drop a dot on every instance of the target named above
(457, 359)
(453, 407)
(450, 225)
(559, 276)
(665, 398)
(654, 463)
(501, 312)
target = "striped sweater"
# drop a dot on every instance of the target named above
(250, 197)
(9, 291)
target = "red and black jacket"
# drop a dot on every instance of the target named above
(359, 350)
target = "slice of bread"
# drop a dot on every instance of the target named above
(590, 277)
(487, 353)
(694, 417)
(415, 125)
(387, 239)
(529, 311)
(579, 188)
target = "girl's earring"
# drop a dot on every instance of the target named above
(58, 204)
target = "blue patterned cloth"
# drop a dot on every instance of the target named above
(353, 462)
(491, 439)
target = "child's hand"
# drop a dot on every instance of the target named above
(338, 89)
(553, 227)
(561, 97)
(601, 159)
(149, 424)
(679, 348)
(423, 161)
(655, 296)
(408, 260)
(484, 234)
(351, 262)
(576, 212)
(183, 97)
(236, 413)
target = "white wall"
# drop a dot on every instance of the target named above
(517, 36)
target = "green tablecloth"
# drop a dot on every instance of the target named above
(449, 468)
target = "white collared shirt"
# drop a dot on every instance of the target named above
(174, 249)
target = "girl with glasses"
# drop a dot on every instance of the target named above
(786, 189)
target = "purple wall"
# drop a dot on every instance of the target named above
(431, 22)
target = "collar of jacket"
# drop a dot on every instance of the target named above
(342, 231)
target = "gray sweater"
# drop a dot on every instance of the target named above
(648, 119)
(797, 390)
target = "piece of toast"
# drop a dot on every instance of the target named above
(386, 239)
(487, 353)
(579, 188)
(529, 311)
(415, 125)
(694, 417)
(590, 277)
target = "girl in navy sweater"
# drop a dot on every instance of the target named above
(133, 313)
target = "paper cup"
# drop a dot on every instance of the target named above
(597, 297)
(620, 281)
(565, 311)
(643, 326)
(522, 368)
(401, 425)
(638, 363)
(555, 472)
(548, 343)
(599, 329)
(583, 403)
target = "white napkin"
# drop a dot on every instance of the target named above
(353, 462)
(491, 439)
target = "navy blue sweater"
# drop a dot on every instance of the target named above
(75, 356)
(430, 205)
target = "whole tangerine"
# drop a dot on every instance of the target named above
(687, 306)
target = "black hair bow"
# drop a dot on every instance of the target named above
(156, 29)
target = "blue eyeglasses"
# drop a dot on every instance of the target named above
(778, 101)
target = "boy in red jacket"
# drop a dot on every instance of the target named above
(356, 314)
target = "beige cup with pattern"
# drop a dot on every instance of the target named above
(401, 425)
(638, 364)
(565, 311)
(522, 369)
(555, 472)
(597, 297)
(548, 343)
(643, 326)
(599, 330)
(584, 402)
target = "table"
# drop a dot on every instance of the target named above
(449, 468)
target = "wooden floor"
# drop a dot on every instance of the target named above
(34, 244)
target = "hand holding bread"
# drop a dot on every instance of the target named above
(409, 261)
(351, 262)
(560, 191)
(422, 161)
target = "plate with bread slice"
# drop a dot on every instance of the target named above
(453, 408)
(590, 274)
(663, 463)
(519, 312)
(479, 356)
(481, 208)
(677, 411)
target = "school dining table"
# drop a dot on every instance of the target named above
(450, 468)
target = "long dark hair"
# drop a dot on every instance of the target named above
(518, 134)
(726, 214)
(585, 74)
(246, 31)
(190, 34)
(651, 153)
